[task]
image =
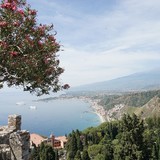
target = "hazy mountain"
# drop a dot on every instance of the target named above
(135, 82)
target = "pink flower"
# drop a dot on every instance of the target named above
(3, 24)
(16, 24)
(13, 53)
(14, 8)
(51, 38)
(8, 5)
(20, 11)
(40, 44)
(32, 12)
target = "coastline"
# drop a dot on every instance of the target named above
(97, 109)
(102, 119)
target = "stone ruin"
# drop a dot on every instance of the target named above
(14, 142)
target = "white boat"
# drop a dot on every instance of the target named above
(20, 103)
(32, 107)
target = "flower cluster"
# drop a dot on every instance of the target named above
(32, 12)
(3, 24)
(11, 6)
(28, 51)
(13, 53)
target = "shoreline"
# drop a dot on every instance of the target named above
(102, 120)
(97, 109)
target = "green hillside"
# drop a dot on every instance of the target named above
(145, 103)
(130, 138)
(132, 99)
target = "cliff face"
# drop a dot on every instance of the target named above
(14, 142)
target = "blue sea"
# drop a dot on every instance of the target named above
(56, 116)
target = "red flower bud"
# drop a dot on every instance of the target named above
(66, 86)
(32, 12)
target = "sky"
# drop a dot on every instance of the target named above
(103, 39)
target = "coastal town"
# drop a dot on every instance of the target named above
(56, 142)
(97, 108)
(104, 115)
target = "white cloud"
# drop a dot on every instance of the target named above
(105, 45)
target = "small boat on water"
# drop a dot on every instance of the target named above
(20, 103)
(32, 107)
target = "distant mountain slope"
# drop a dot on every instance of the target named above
(150, 109)
(138, 81)
(138, 99)
(145, 104)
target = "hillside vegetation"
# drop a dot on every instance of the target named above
(145, 103)
(132, 99)
(130, 138)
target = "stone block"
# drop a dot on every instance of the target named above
(14, 121)
(20, 144)
(5, 152)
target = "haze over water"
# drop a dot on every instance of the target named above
(55, 116)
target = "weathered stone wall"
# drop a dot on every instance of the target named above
(14, 142)
(14, 121)
(4, 137)
(5, 152)
(20, 143)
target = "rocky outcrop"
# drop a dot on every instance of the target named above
(5, 152)
(14, 142)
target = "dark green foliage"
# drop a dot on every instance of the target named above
(153, 122)
(34, 153)
(131, 138)
(72, 147)
(79, 142)
(85, 140)
(46, 152)
(78, 156)
(43, 152)
(85, 155)
(56, 155)
(74, 144)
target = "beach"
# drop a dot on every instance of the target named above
(98, 109)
